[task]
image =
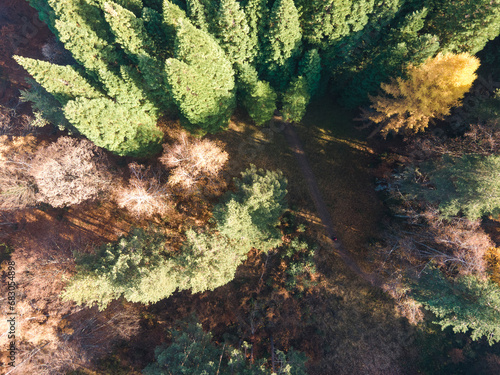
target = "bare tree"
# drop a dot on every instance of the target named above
(70, 171)
(146, 193)
(194, 161)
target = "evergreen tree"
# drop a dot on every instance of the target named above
(209, 261)
(468, 185)
(134, 131)
(295, 100)
(131, 34)
(464, 26)
(201, 80)
(251, 215)
(310, 69)
(153, 22)
(45, 107)
(63, 82)
(197, 14)
(466, 304)
(232, 32)
(257, 13)
(193, 351)
(258, 97)
(283, 43)
(364, 60)
(140, 269)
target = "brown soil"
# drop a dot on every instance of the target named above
(21, 33)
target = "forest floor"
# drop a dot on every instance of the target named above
(345, 325)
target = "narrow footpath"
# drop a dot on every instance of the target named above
(297, 149)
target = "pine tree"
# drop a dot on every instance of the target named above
(257, 13)
(84, 32)
(134, 131)
(465, 26)
(469, 185)
(232, 32)
(197, 14)
(192, 352)
(295, 100)
(45, 107)
(153, 22)
(63, 82)
(201, 80)
(466, 304)
(131, 34)
(283, 43)
(310, 69)
(251, 215)
(429, 91)
(258, 97)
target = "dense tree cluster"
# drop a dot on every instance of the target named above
(137, 60)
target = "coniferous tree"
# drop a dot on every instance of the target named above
(467, 303)
(232, 32)
(429, 91)
(258, 97)
(310, 69)
(63, 82)
(464, 26)
(134, 131)
(295, 100)
(469, 185)
(201, 80)
(193, 352)
(131, 34)
(283, 43)
(197, 14)
(257, 13)
(251, 215)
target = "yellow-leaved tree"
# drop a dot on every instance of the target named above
(428, 91)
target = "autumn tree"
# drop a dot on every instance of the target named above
(429, 91)
(193, 162)
(17, 186)
(250, 216)
(70, 171)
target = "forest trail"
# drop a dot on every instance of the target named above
(312, 185)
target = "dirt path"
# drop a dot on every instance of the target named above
(297, 149)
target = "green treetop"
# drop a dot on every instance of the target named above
(201, 80)
(468, 185)
(63, 82)
(250, 216)
(464, 26)
(232, 32)
(283, 43)
(466, 304)
(258, 97)
(295, 100)
(257, 14)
